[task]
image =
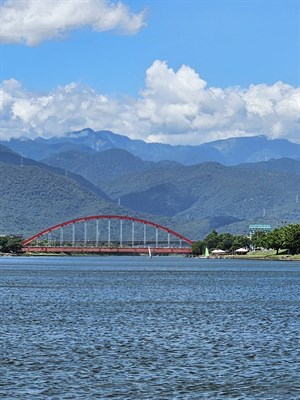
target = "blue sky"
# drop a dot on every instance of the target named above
(241, 50)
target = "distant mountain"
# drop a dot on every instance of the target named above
(40, 148)
(211, 190)
(5, 149)
(276, 165)
(101, 168)
(228, 151)
(208, 190)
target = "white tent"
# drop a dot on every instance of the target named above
(241, 251)
(218, 252)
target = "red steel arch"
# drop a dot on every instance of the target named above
(94, 217)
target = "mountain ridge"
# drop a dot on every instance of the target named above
(231, 151)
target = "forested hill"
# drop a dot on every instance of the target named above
(8, 156)
(101, 168)
(34, 196)
(33, 199)
(208, 190)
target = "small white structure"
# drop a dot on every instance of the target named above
(241, 251)
(218, 252)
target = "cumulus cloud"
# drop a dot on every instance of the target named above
(33, 21)
(176, 107)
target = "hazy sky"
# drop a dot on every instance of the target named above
(171, 71)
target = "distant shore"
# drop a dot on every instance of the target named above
(263, 256)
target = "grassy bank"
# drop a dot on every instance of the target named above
(268, 255)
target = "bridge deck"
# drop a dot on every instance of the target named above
(108, 250)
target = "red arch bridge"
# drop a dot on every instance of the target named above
(108, 234)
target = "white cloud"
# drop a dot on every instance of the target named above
(33, 21)
(176, 107)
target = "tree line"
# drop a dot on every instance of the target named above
(10, 244)
(286, 238)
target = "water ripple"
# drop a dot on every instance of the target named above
(168, 333)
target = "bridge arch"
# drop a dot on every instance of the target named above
(108, 217)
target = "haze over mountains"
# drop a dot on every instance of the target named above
(90, 172)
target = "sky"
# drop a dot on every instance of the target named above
(178, 71)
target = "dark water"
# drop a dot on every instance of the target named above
(139, 328)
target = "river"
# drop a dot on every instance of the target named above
(141, 328)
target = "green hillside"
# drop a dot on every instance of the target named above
(33, 199)
(101, 168)
(211, 190)
(7, 156)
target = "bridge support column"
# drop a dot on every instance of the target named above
(156, 238)
(108, 240)
(121, 232)
(84, 233)
(145, 232)
(61, 236)
(73, 235)
(97, 232)
(168, 239)
(132, 235)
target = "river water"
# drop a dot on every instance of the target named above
(140, 328)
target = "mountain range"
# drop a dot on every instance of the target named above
(72, 178)
(227, 151)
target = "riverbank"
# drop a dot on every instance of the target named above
(254, 255)
(266, 255)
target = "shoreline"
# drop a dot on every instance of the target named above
(257, 257)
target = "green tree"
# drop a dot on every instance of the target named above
(292, 238)
(197, 247)
(225, 241)
(258, 239)
(211, 240)
(275, 239)
(10, 244)
(240, 241)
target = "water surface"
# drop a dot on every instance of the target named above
(139, 328)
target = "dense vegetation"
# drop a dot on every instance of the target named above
(286, 238)
(222, 241)
(10, 244)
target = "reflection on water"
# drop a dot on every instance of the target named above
(139, 328)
